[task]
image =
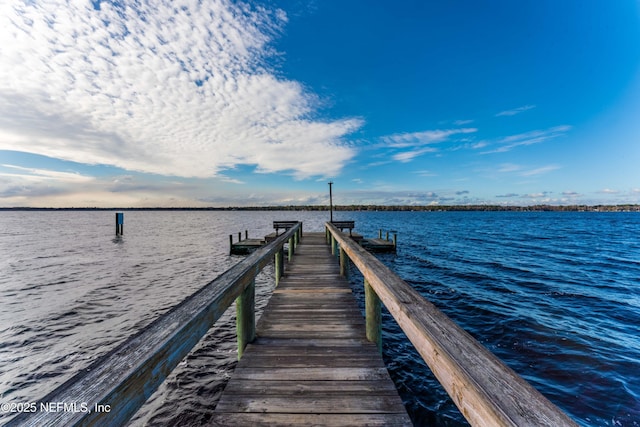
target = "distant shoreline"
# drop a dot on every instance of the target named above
(427, 208)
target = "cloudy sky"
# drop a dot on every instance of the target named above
(229, 103)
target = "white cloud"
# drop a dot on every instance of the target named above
(173, 88)
(529, 138)
(540, 171)
(425, 173)
(462, 122)
(407, 156)
(608, 191)
(509, 167)
(525, 171)
(515, 111)
(418, 143)
(33, 174)
(412, 139)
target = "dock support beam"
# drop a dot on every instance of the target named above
(344, 263)
(246, 317)
(373, 311)
(290, 254)
(279, 266)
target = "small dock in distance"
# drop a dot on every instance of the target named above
(246, 246)
(379, 245)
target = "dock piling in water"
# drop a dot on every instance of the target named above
(119, 223)
(246, 317)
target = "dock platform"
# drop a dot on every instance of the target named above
(245, 247)
(311, 363)
(378, 245)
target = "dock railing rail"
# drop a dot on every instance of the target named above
(115, 386)
(487, 392)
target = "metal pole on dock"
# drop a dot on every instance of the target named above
(330, 202)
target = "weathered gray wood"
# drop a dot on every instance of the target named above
(126, 376)
(373, 310)
(327, 420)
(311, 355)
(378, 245)
(244, 247)
(290, 249)
(344, 263)
(335, 388)
(246, 317)
(487, 392)
(279, 266)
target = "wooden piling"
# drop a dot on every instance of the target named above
(344, 263)
(279, 267)
(373, 311)
(246, 317)
(290, 249)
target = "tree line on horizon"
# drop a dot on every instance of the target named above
(426, 208)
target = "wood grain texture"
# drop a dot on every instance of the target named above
(126, 376)
(487, 392)
(311, 363)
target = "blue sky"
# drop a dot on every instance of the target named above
(223, 103)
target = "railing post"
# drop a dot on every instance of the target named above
(279, 266)
(246, 317)
(344, 263)
(373, 311)
(230, 244)
(290, 254)
(334, 244)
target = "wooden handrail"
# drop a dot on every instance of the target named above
(119, 382)
(487, 392)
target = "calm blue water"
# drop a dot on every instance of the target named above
(555, 295)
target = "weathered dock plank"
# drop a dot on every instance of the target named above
(246, 246)
(311, 363)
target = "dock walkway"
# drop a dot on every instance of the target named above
(311, 363)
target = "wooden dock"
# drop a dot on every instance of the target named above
(311, 363)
